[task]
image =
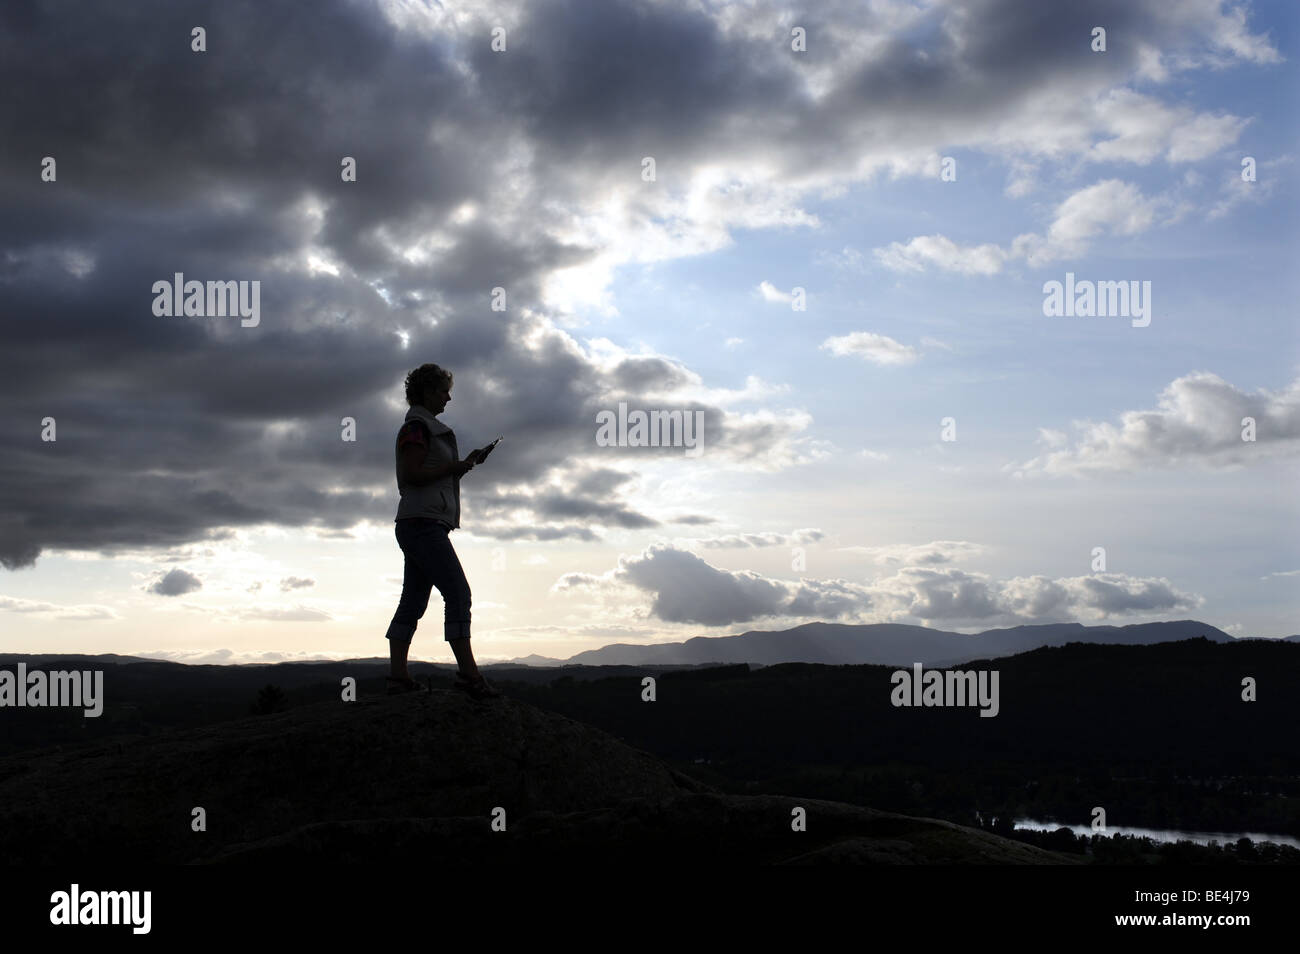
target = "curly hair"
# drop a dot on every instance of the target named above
(425, 376)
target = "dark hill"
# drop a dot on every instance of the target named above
(1159, 734)
(1177, 705)
(422, 774)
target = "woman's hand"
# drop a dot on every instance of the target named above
(411, 471)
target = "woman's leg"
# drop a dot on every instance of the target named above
(464, 657)
(416, 587)
(438, 562)
(449, 578)
(397, 659)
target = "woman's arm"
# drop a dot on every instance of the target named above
(413, 473)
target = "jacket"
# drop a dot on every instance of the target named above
(439, 500)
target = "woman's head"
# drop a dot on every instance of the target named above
(431, 381)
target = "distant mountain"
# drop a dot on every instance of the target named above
(85, 660)
(532, 659)
(892, 644)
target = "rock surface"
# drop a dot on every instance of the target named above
(423, 774)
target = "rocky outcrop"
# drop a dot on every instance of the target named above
(425, 773)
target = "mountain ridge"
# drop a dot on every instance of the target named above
(900, 644)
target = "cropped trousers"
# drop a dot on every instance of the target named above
(431, 561)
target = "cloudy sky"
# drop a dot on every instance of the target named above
(826, 227)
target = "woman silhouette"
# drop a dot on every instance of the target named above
(428, 480)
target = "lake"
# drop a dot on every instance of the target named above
(1162, 834)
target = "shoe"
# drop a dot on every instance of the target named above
(476, 688)
(398, 686)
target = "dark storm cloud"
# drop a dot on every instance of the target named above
(224, 165)
(591, 501)
(602, 84)
(559, 532)
(175, 583)
(601, 481)
(686, 589)
(647, 374)
(681, 587)
(209, 164)
(694, 520)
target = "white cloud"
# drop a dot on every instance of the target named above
(1198, 420)
(1110, 207)
(878, 349)
(1224, 27)
(749, 540)
(943, 253)
(1280, 573)
(1235, 191)
(956, 597)
(1143, 129)
(296, 614)
(76, 611)
(925, 554)
(847, 258)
